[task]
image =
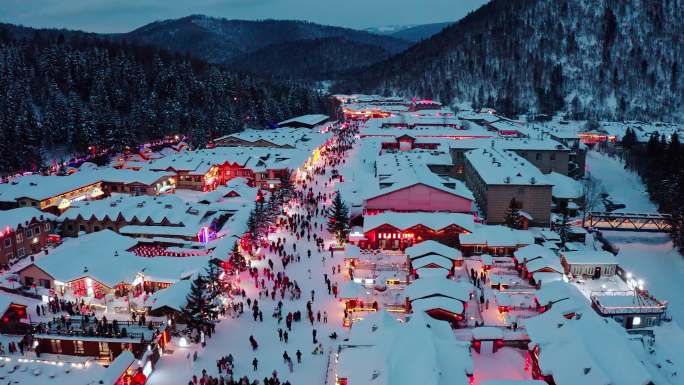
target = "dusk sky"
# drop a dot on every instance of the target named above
(125, 15)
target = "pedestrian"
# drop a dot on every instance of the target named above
(255, 364)
(299, 356)
(325, 317)
(313, 334)
(285, 336)
(280, 334)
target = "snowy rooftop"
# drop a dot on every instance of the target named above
(589, 257)
(173, 297)
(41, 187)
(283, 136)
(420, 351)
(313, 120)
(498, 167)
(564, 187)
(103, 256)
(19, 216)
(427, 287)
(433, 247)
(523, 144)
(168, 209)
(399, 177)
(432, 220)
(599, 349)
(496, 236)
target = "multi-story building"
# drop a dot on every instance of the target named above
(496, 177)
(24, 231)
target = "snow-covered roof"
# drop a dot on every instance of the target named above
(104, 257)
(310, 120)
(589, 257)
(39, 187)
(420, 351)
(432, 220)
(163, 208)
(430, 259)
(599, 348)
(499, 167)
(173, 297)
(282, 136)
(117, 367)
(564, 187)
(19, 216)
(515, 144)
(564, 297)
(497, 236)
(351, 290)
(427, 287)
(398, 178)
(429, 247)
(533, 251)
(438, 302)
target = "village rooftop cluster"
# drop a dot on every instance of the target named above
(469, 256)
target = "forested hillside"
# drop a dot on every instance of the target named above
(68, 93)
(590, 58)
(218, 40)
(312, 59)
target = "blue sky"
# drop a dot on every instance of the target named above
(125, 15)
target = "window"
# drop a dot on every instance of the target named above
(29, 233)
(28, 281)
(97, 228)
(21, 252)
(78, 347)
(552, 156)
(33, 204)
(537, 156)
(56, 346)
(81, 228)
(18, 236)
(36, 230)
(47, 226)
(44, 283)
(70, 227)
(8, 242)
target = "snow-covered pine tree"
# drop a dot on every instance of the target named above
(338, 218)
(237, 260)
(200, 309)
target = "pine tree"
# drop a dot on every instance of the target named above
(213, 274)
(512, 217)
(237, 260)
(338, 219)
(201, 308)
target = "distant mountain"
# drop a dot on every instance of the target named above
(217, 40)
(312, 59)
(420, 32)
(588, 58)
(410, 32)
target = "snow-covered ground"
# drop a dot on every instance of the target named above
(649, 256)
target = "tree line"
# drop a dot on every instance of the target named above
(62, 93)
(660, 163)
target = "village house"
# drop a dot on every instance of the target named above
(397, 231)
(101, 264)
(589, 263)
(163, 216)
(23, 231)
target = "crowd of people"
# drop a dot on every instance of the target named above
(303, 217)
